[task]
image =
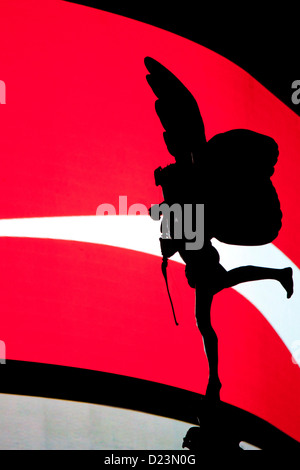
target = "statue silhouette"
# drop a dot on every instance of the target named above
(231, 175)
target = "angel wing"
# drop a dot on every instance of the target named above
(233, 180)
(178, 112)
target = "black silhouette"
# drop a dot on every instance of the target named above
(230, 174)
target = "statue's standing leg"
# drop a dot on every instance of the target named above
(203, 307)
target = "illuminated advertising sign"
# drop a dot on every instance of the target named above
(85, 311)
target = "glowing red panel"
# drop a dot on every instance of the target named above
(104, 308)
(79, 129)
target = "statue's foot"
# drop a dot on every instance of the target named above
(287, 281)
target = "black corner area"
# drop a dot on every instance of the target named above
(262, 41)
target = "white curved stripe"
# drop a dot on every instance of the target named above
(141, 234)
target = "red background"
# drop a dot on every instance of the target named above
(79, 129)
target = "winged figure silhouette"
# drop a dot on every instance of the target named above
(231, 175)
